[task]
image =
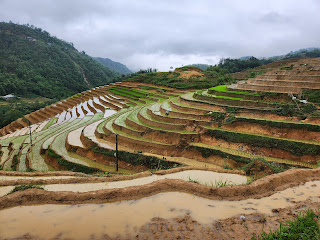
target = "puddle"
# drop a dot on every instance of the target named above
(108, 113)
(203, 177)
(5, 191)
(74, 137)
(126, 217)
(90, 129)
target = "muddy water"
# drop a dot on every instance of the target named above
(108, 113)
(203, 177)
(126, 217)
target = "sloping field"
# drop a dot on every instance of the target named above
(160, 131)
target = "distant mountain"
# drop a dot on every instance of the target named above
(33, 63)
(114, 66)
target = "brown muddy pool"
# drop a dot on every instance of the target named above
(87, 221)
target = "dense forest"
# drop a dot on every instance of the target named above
(18, 108)
(114, 66)
(33, 63)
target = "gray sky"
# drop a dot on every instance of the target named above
(164, 33)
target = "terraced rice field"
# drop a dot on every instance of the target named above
(226, 135)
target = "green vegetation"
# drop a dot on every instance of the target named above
(294, 147)
(114, 66)
(312, 95)
(138, 159)
(70, 166)
(152, 88)
(305, 226)
(15, 162)
(223, 88)
(212, 76)
(17, 109)
(287, 67)
(33, 63)
(24, 187)
(207, 152)
(280, 124)
(249, 168)
(239, 65)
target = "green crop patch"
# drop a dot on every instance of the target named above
(223, 88)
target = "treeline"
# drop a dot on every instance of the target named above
(240, 65)
(33, 63)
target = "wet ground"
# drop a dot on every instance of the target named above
(127, 217)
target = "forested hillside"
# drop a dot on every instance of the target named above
(114, 66)
(33, 63)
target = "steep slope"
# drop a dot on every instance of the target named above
(33, 63)
(114, 66)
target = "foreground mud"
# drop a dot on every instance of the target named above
(166, 209)
(162, 216)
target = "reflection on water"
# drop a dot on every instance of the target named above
(87, 220)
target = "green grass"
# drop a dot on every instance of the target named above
(24, 187)
(305, 226)
(50, 123)
(223, 88)
(226, 97)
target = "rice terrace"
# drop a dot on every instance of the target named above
(223, 162)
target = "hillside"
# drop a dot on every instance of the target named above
(33, 63)
(178, 151)
(185, 77)
(114, 66)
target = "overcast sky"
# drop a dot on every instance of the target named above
(164, 33)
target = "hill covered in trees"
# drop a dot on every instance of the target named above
(34, 63)
(114, 66)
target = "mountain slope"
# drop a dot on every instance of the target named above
(33, 63)
(114, 66)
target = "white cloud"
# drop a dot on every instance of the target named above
(151, 33)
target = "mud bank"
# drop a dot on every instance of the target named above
(258, 189)
(84, 178)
